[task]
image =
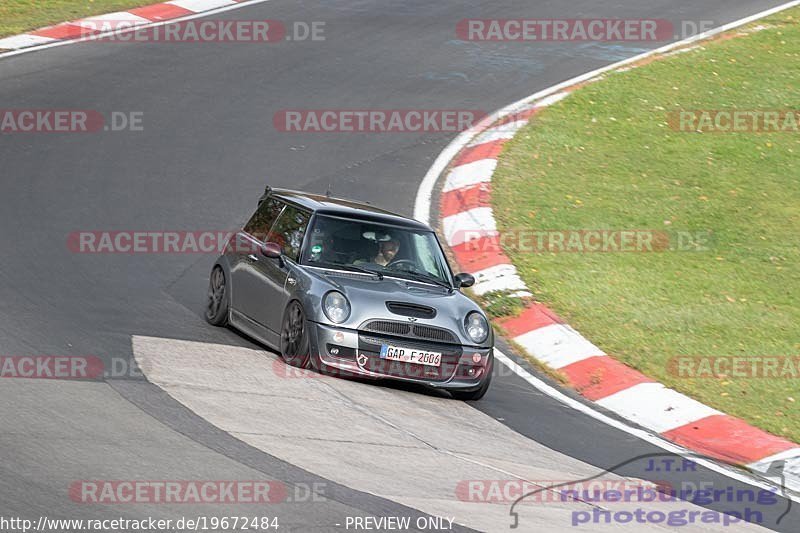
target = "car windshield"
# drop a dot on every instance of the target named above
(385, 249)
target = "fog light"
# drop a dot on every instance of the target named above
(340, 351)
(338, 336)
(471, 372)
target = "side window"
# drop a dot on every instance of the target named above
(263, 218)
(289, 230)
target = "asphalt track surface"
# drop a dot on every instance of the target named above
(206, 152)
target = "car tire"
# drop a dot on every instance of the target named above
(216, 312)
(473, 395)
(295, 342)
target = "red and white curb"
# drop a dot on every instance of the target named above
(139, 17)
(466, 220)
(466, 168)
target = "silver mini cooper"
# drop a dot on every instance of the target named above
(345, 288)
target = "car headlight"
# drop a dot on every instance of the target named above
(477, 327)
(336, 307)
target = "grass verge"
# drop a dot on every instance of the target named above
(606, 158)
(20, 16)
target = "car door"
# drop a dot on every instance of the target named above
(245, 279)
(270, 292)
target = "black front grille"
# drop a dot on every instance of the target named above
(413, 310)
(433, 334)
(414, 331)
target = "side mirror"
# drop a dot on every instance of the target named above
(271, 250)
(464, 280)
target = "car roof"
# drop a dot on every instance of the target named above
(328, 205)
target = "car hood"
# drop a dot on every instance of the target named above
(368, 297)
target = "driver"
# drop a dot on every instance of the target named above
(387, 250)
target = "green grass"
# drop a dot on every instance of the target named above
(500, 305)
(19, 16)
(606, 158)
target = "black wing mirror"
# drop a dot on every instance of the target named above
(464, 280)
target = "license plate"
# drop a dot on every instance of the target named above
(410, 355)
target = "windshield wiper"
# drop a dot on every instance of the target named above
(428, 279)
(352, 268)
(355, 268)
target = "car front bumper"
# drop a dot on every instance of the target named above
(355, 353)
